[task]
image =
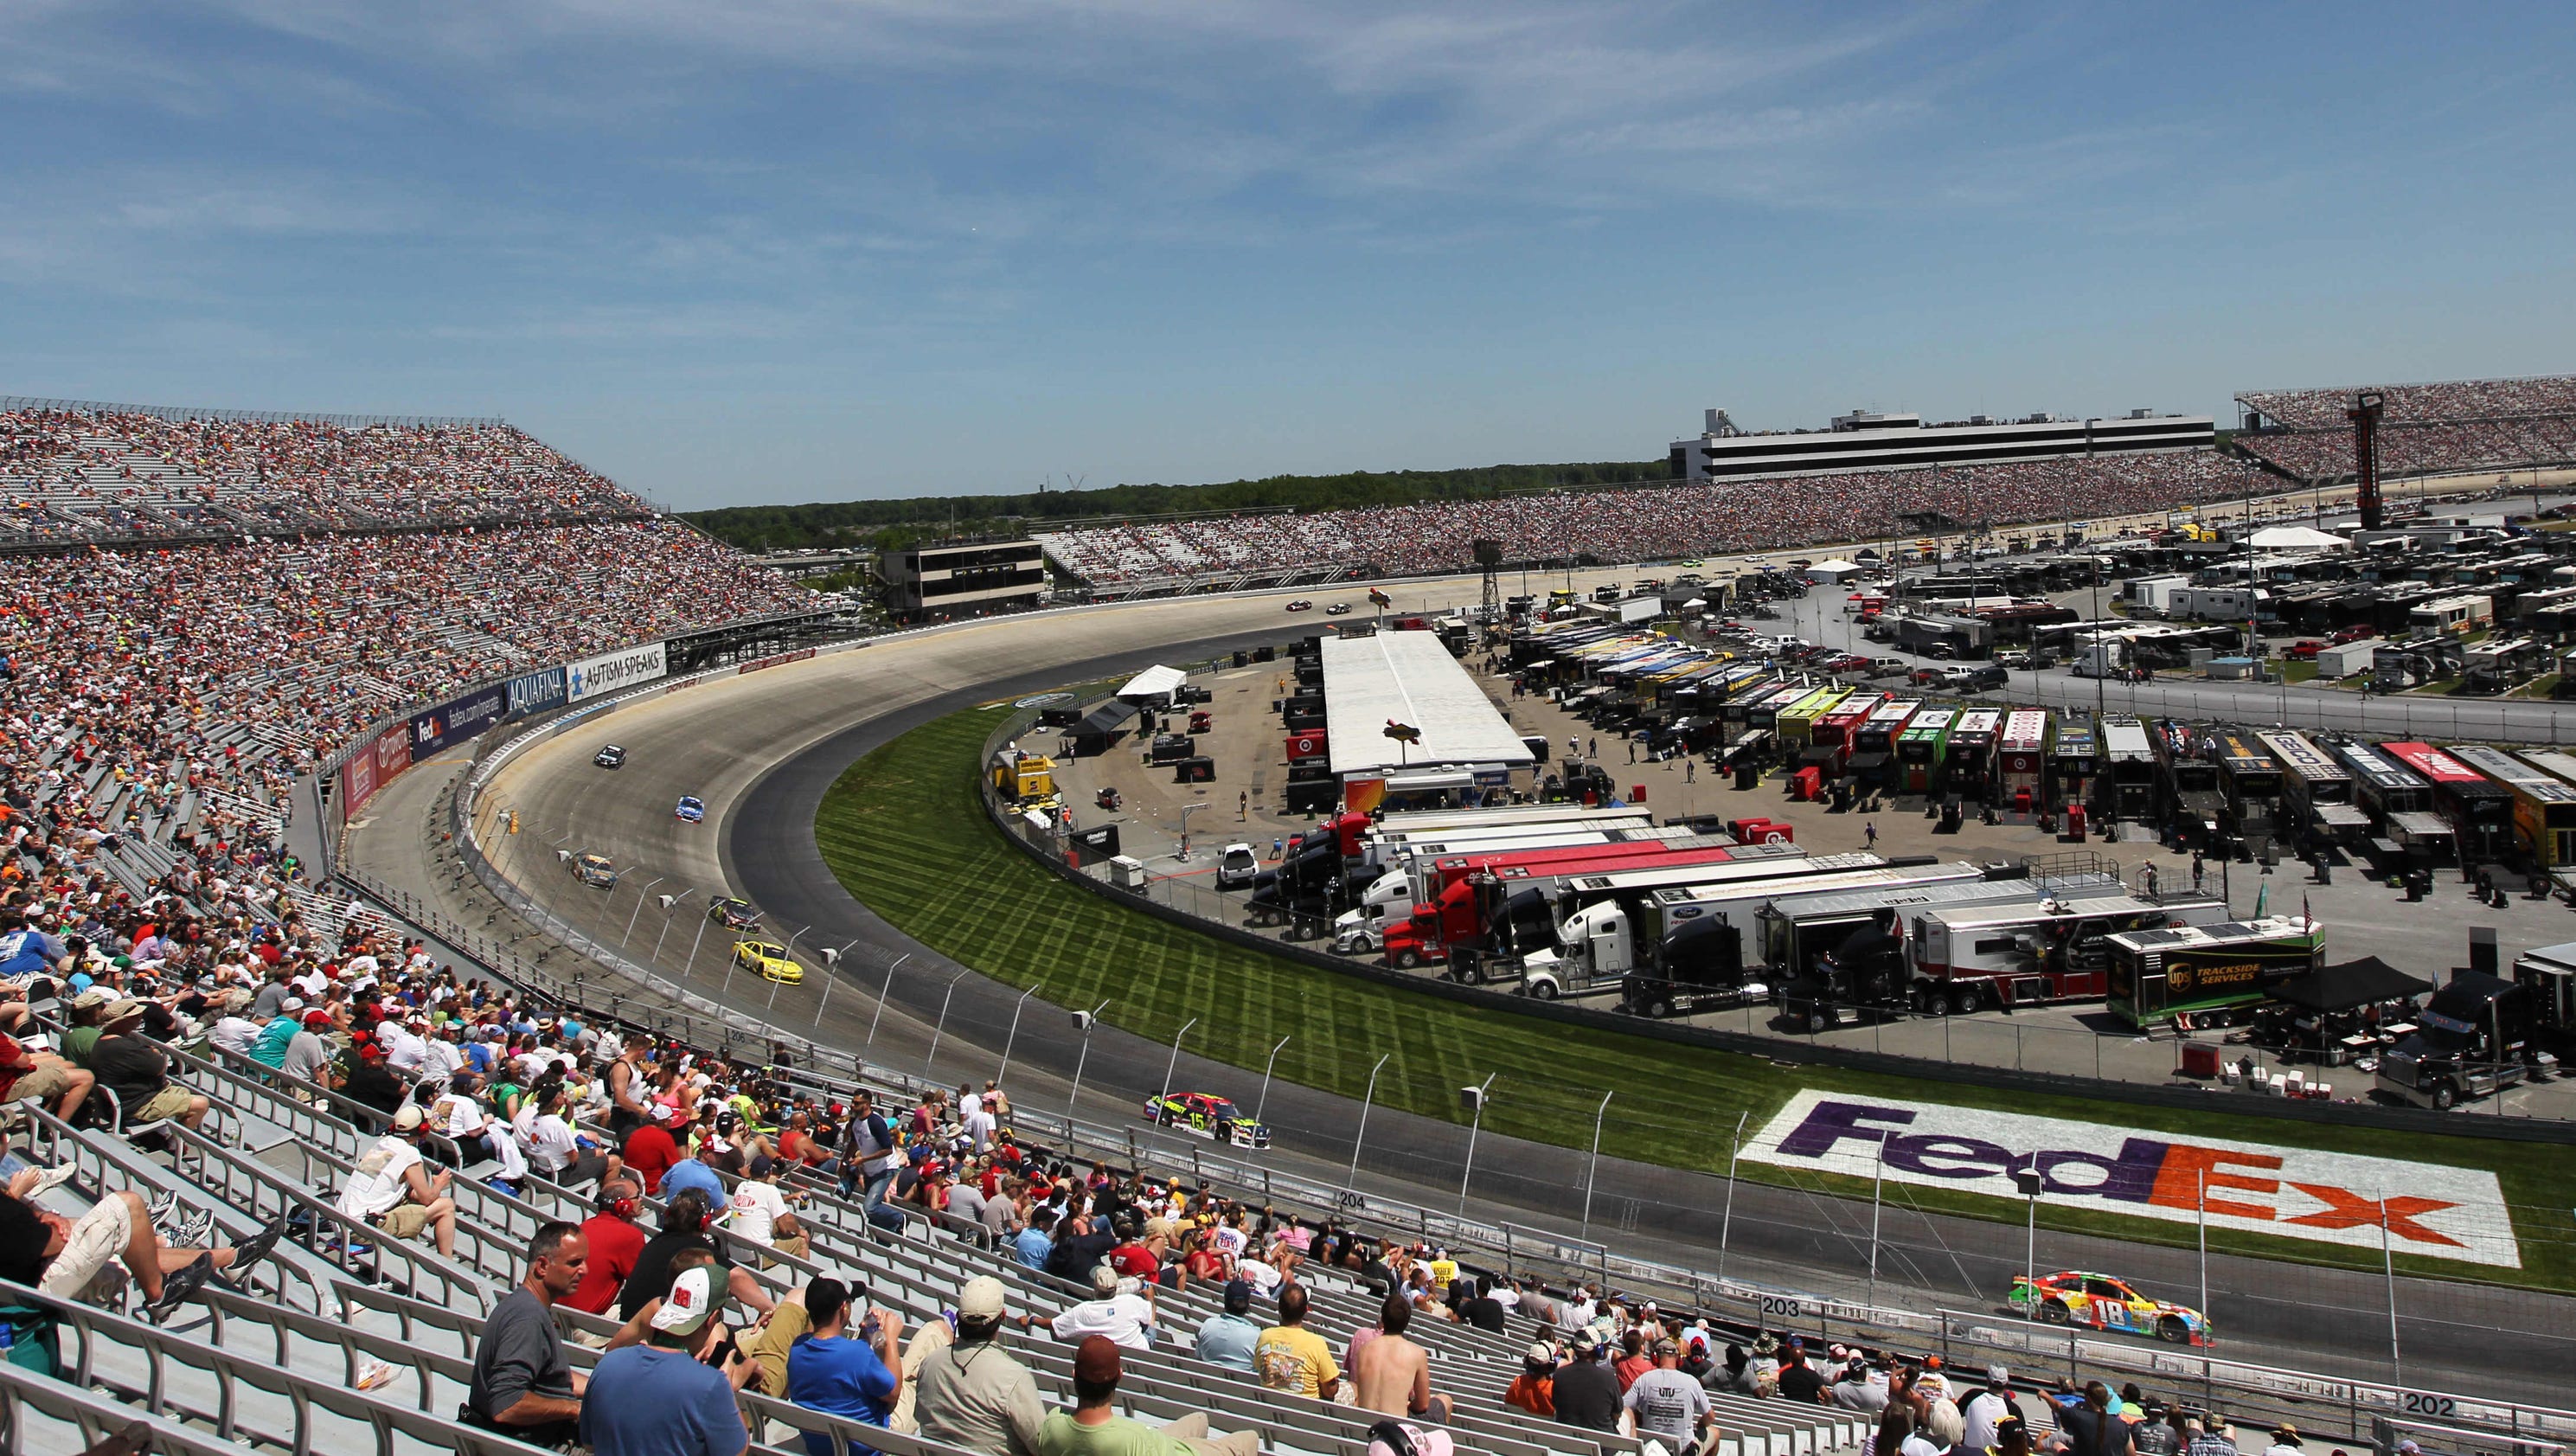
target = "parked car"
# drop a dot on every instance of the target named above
(2303, 651)
(2344, 635)
(1236, 865)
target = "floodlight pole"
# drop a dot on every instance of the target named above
(1356, 1142)
(1475, 1128)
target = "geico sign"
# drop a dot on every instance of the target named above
(610, 671)
(2426, 1209)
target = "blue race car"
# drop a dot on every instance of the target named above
(691, 809)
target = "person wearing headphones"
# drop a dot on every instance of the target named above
(615, 1242)
(686, 1218)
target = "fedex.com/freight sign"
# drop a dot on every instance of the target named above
(2428, 1209)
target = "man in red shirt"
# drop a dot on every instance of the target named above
(1131, 1258)
(615, 1242)
(25, 1074)
(649, 1152)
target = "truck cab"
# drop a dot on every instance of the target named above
(2471, 1041)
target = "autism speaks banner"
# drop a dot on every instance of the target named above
(2428, 1209)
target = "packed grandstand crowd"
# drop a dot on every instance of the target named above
(111, 473)
(1647, 522)
(2425, 429)
(742, 1253)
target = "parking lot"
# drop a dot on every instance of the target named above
(2360, 915)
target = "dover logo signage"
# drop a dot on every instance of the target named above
(2426, 1209)
(606, 673)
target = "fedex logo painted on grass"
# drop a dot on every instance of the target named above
(2428, 1209)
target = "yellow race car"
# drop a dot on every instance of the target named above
(770, 960)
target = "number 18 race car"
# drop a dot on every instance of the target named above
(2105, 1303)
(1207, 1115)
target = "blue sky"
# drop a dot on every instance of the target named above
(739, 251)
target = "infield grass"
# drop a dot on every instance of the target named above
(904, 831)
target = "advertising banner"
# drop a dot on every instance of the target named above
(1306, 745)
(774, 660)
(457, 720)
(358, 780)
(594, 676)
(535, 692)
(374, 766)
(2426, 1209)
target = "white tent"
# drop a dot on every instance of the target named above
(1835, 570)
(2297, 538)
(1154, 682)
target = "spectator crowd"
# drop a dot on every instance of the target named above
(1645, 522)
(2425, 429)
(115, 473)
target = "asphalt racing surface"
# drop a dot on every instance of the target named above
(761, 749)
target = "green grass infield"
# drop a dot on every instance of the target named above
(904, 831)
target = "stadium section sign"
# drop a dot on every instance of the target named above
(606, 673)
(456, 720)
(2427, 1209)
(534, 692)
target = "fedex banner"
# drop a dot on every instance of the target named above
(2428, 1209)
(606, 673)
(534, 692)
(456, 720)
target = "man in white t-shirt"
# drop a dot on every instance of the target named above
(978, 1126)
(392, 1189)
(406, 1051)
(759, 1211)
(1987, 1409)
(1127, 1319)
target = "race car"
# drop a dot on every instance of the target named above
(770, 960)
(610, 757)
(732, 913)
(2072, 1296)
(691, 808)
(1301, 605)
(1338, 609)
(1207, 1115)
(595, 870)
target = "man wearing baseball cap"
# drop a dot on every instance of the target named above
(1092, 1426)
(661, 1398)
(1667, 1405)
(1227, 1339)
(971, 1393)
(392, 1188)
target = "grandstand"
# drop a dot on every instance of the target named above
(1637, 523)
(79, 473)
(2425, 429)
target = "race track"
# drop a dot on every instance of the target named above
(761, 749)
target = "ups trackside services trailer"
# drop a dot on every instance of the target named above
(2158, 974)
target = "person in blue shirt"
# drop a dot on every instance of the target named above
(270, 1049)
(694, 1173)
(1037, 1241)
(831, 1372)
(1227, 1339)
(660, 1398)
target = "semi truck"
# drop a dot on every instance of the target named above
(2126, 790)
(2051, 950)
(1601, 934)
(2474, 1039)
(1420, 877)
(1478, 919)
(2187, 783)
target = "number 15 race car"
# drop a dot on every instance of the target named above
(1207, 1115)
(2105, 1303)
